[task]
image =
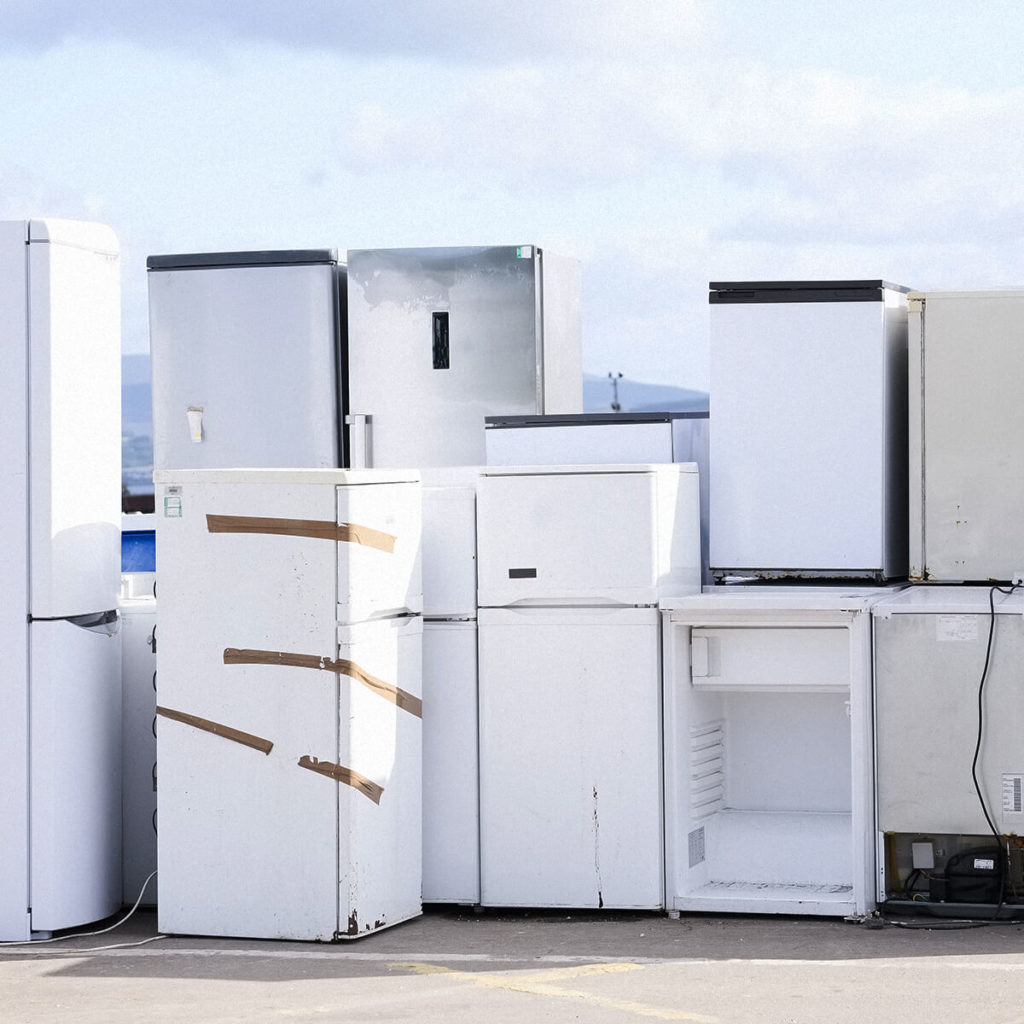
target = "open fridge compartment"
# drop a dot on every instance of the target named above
(763, 811)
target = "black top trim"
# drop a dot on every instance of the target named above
(723, 292)
(261, 258)
(590, 418)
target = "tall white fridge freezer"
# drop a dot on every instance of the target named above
(60, 702)
(809, 451)
(572, 564)
(949, 717)
(966, 491)
(288, 735)
(768, 750)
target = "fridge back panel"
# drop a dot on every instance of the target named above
(821, 387)
(623, 535)
(75, 774)
(441, 338)
(246, 362)
(570, 756)
(74, 343)
(966, 358)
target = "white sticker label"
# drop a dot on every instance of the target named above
(958, 628)
(1013, 794)
(984, 864)
(172, 506)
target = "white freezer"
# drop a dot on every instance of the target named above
(587, 535)
(451, 813)
(768, 756)
(570, 758)
(966, 491)
(808, 455)
(287, 741)
(246, 351)
(449, 542)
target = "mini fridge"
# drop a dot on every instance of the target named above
(572, 564)
(966, 491)
(289, 702)
(809, 451)
(768, 750)
(947, 675)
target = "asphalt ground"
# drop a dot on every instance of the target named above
(454, 965)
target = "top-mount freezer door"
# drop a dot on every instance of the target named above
(568, 538)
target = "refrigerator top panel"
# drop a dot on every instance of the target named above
(261, 258)
(246, 363)
(439, 339)
(587, 535)
(684, 468)
(316, 477)
(800, 291)
(96, 238)
(584, 419)
(648, 441)
(756, 598)
(950, 600)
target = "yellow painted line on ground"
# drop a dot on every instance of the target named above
(539, 983)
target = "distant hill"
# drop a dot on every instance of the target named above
(636, 396)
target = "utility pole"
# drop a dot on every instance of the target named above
(615, 378)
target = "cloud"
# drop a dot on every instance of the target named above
(461, 30)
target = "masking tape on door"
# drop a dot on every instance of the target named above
(341, 666)
(318, 529)
(225, 731)
(340, 773)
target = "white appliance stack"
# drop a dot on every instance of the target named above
(60, 739)
(573, 562)
(289, 740)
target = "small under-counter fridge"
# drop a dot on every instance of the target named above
(949, 722)
(809, 451)
(289, 702)
(768, 750)
(572, 564)
(439, 338)
(966, 429)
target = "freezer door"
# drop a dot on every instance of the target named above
(570, 758)
(451, 815)
(449, 550)
(379, 553)
(809, 406)
(246, 365)
(380, 807)
(587, 537)
(75, 774)
(439, 339)
(74, 340)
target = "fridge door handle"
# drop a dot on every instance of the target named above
(359, 443)
(700, 657)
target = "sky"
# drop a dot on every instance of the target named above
(662, 144)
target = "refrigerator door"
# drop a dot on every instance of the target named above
(451, 814)
(966, 426)
(570, 758)
(75, 774)
(570, 535)
(449, 543)
(380, 738)
(440, 338)
(246, 359)
(74, 344)
(816, 372)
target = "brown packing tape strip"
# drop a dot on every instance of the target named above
(225, 731)
(342, 666)
(340, 773)
(316, 528)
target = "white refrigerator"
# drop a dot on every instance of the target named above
(931, 647)
(809, 450)
(289, 702)
(768, 750)
(965, 436)
(572, 564)
(60, 705)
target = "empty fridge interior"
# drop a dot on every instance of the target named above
(760, 762)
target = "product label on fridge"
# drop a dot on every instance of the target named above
(172, 503)
(1013, 794)
(958, 628)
